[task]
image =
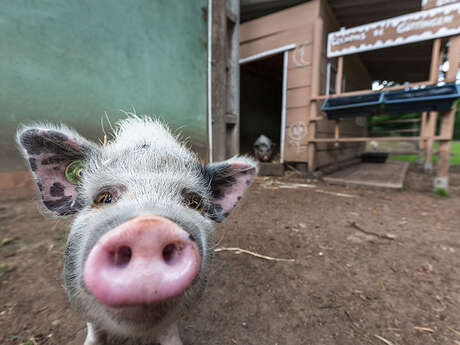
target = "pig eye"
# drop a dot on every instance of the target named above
(104, 198)
(193, 200)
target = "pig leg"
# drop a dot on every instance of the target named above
(95, 336)
(170, 336)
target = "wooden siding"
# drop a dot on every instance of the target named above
(296, 26)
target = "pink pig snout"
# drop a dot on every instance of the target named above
(145, 260)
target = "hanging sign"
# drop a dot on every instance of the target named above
(419, 26)
(426, 4)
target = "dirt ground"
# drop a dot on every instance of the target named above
(371, 267)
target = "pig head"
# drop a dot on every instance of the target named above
(263, 148)
(140, 245)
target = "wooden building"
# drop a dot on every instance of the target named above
(288, 52)
(300, 33)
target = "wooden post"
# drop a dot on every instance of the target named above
(338, 87)
(422, 142)
(454, 59)
(447, 122)
(435, 57)
(339, 77)
(316, 63)
(219, 79)
(431, 132)
(442, 168)
(432, 116)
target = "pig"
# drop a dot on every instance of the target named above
(263, 148)
(140, 244)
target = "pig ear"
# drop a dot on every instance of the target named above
(228, 182)
(55, 156)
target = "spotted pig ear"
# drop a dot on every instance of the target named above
(229, 180)
(56, 158)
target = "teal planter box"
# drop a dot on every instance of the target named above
(431, 98)
(352, 106)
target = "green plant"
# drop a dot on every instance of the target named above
(441, 192)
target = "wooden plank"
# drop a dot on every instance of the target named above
(435, 54)
(299, 77)
(454, 59)
(301, 56)
(296, 134)
(315, 87)
(299, 36)
(436, 3)
(299, 97)
(339, 79)
(401, 30)
(298, 114)
(388, 175)
(431, 131)
(447, 130)
(278, 22)
(316, 58)
(421, 144)
(365, 139)
(407, 130)
(385, 122)
(333, 146)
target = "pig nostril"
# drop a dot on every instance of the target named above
(170, 253)
(121, 256)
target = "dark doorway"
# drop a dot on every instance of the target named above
(261, 87)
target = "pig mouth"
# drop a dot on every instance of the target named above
(145, 313)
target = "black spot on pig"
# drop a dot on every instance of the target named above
(76, 205)
(57, 189)
(54, 160)
(239, 198)
(33, 164)
(36, 142)
(56, 137)
(31, 141)
(40, 187)
(61, 206)
(57, 168)
(218, 177)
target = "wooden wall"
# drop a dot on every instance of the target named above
(357, 78)
(293, 25)
(296, 25)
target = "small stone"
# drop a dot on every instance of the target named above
(428, 267)
(354, 239)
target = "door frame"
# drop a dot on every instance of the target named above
(285, 50)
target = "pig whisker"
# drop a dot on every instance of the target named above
(110, 124)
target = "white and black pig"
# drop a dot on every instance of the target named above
(140, 245)
(263, 148)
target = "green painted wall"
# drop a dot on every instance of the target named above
(71, 61)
